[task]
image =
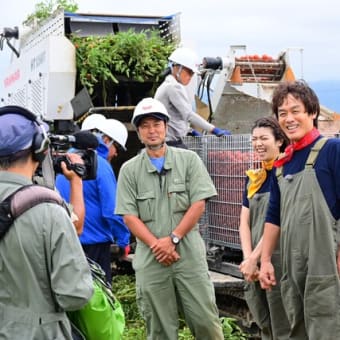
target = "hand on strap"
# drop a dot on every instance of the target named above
(220, 132)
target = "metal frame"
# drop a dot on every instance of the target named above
(226, 158)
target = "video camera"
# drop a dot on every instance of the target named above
(82, 143)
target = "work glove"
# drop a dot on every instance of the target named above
(219, 132)
(194, 133)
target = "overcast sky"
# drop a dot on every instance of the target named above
(210, 27)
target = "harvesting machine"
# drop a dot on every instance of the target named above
(232, 92)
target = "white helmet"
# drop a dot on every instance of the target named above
(92, 121)
(149, 107)
(115, 130)
(186, 57)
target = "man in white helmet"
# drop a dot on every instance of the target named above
(172, 93)
(90, 122)
(102, 227)
(162, 194)
(115, 134)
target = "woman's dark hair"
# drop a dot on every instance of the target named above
(272, 123)
(299, 90)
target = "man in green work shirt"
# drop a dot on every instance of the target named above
(162, 194)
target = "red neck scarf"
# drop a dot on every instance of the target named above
(309, 138)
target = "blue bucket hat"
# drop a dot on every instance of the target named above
(16, 133)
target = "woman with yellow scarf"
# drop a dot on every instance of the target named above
(268, 140)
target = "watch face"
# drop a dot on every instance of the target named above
(175, 239)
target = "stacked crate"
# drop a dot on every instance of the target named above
(227, 159)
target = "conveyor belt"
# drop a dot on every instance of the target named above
(260, 70)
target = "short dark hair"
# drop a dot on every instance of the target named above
(299, 90)
(19, 157)
(272, 123)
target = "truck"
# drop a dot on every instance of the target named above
(232, 92)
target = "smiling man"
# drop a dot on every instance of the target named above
(162, 193)
(303, 212)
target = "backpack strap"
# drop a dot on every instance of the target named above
(23, 199)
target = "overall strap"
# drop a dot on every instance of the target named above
(278, 172)
(313, 155)
(314, 152)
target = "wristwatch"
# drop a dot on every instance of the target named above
(175, 239)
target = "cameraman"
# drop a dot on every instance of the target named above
(44, 272)
(102, 227)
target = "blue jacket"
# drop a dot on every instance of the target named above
(101, 224)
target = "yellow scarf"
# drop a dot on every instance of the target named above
(257, 177)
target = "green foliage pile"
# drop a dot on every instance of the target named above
(137, 56)
(124, 289)
(109, 65)
(231, 330)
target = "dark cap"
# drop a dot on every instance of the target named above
(16, 133)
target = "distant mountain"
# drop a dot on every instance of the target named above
(328, 92)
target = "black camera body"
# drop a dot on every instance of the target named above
(86, 171)
(82, 143)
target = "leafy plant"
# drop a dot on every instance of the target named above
(110, 66)
(231, 330)
(124, 289)
(103, 62)
(45, 8)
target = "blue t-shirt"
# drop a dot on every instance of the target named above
(158, 163)
(326, 168)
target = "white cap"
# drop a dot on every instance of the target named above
(92, 121)
(186, 57)
(149, 107)
(115, 130)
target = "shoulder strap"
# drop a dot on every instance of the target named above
(313, 155)
(23, 199)
(278, 172)
(314, 152)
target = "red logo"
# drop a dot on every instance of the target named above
(12, 78)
